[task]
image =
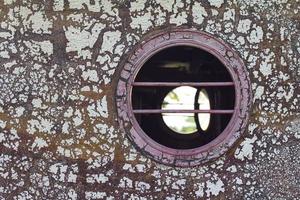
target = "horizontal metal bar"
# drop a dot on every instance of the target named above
(171, 84)
(153, 111)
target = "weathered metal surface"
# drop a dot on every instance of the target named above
(60, 62)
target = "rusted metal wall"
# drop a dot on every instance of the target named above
(60, 62)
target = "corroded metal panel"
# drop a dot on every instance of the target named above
(60, 63)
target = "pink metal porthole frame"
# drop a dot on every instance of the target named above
(243, 97)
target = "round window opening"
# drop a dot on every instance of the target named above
(183, 97)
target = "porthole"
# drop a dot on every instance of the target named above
(183, 97)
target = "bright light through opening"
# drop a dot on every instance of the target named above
(204, 104)
(184, 98)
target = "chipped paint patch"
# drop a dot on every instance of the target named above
(256, 35)
(246, 149)
(216, 3)
(199, 13)
(258, 92)
(214, 187)
(244, 25)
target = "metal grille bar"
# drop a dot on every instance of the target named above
(153, 111)
(174, 84)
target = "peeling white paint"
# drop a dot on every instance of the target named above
(126, 183)
(259, 91)
(166, 4)
(200, 191)
(37, 21)
(285, 93)
(96, 178)
(90, 75)
(40, 46)
(199, 13)
(216, 3)
(142, 186)
(79, 39)
(44, 125)
(179, 184)
(58, 5)
(267, 62)
(8, 2)
(229, 14)
(142, 22)
(91, 6)
(72, 194)
(37, 103)
(244, 25)
(179, 19)
(2, 124)
(110, 39)
(108, 8)
(98, 109)
(256, 35)
(78, 118)
(246, 149)
(214, 187)
(137, 5)
(69, 112)
(96, 195)
(39, 143)
(232, 169)
(238, 181)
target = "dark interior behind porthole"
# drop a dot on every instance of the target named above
(182, 64)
